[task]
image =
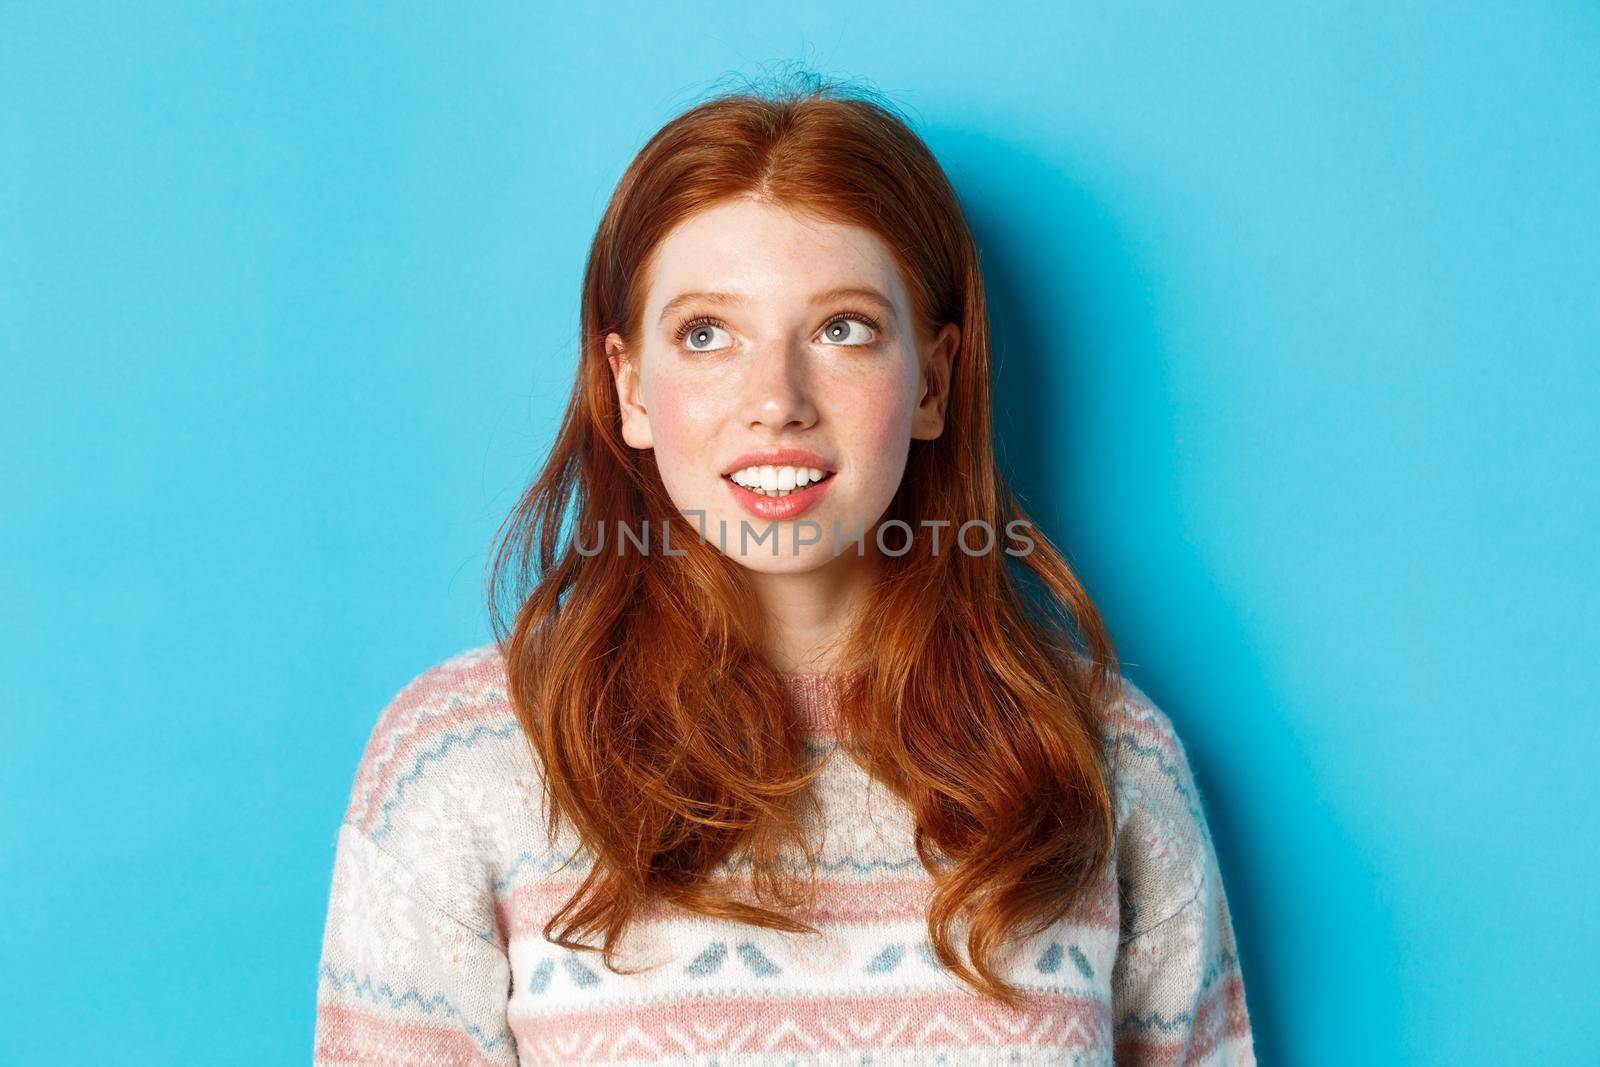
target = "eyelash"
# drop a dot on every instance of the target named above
(708, 320)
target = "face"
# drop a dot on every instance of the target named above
(780, 346)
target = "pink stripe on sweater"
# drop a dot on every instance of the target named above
(1220, 1018)
(351, 1035)
(808, 1024)
(406, 752)
(432, 690)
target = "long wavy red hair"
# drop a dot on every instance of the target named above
(977, 692)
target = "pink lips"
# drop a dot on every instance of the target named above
(792, 506)
(796, 503)
(780, 456)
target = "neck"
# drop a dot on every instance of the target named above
(810, 613)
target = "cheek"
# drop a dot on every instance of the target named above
(877, 418)
(680, 419)
(883, 413)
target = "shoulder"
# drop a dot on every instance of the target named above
(435, 722)
(446, 784)
(1164, 849)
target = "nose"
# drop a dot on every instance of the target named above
(777, 389)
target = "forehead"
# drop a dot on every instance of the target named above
(765, 252)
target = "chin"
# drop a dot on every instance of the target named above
(779, 553)
(810, 558)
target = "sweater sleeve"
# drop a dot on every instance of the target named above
(402, 980)
(1177, 991)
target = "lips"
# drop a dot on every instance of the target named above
(780, 456)
(774, 508)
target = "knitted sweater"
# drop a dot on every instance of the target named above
(443, 879)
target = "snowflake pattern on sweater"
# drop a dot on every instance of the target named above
(444, 877)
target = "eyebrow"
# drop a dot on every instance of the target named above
(846, 292)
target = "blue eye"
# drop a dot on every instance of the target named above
(838, 331)
(697, 333)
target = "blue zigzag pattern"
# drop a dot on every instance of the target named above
(1156, 1021)
(450, 702)
(450, 740)
(384, 993)
(1159, 754)
(547, 862)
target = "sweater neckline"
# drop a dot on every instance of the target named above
(814, 697)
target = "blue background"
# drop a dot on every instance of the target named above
(1297, 319)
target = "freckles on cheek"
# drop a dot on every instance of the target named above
(880, 415)
(679, 430)
(667, 431)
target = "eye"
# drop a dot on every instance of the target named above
(839, 330)
(697, 334)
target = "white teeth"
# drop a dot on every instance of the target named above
(776, 481)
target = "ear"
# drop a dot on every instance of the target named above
(927, 422)
(625, 376)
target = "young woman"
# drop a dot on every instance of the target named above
(802, 745)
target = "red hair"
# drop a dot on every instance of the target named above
(975, 694)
